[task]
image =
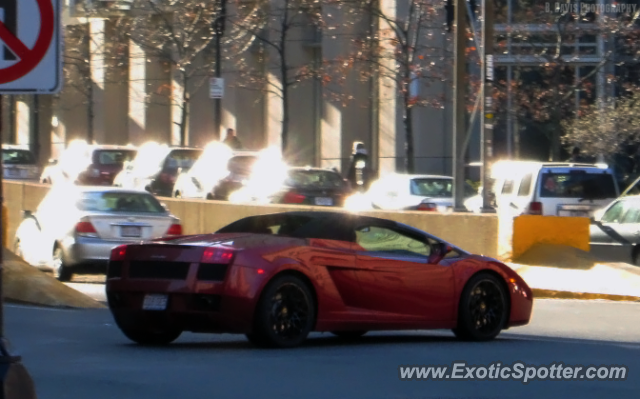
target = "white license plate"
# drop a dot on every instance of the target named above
(131, 231)
(155, 302)
(323, 201)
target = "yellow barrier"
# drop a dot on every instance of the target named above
(558, 230)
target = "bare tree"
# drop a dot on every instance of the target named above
(406, 51)
(179, 33)
(547, 45)
(605, 130)
(273, 26)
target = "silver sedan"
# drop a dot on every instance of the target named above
(77, 226)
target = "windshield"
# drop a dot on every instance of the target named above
(314, 178)
(113, 157)
(578, 184)
(119, 202)
(17, 157)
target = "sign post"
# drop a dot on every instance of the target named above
(30, 63)
(216, 88)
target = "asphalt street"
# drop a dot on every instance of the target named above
(82, 354)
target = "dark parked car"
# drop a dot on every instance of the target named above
(312, 186)
(93, 165)
(278, 277)
(19, 163)
(158, 172)
(240, 168)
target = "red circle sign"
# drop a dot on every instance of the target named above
(29, 58)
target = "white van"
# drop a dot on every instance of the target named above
(552, 189)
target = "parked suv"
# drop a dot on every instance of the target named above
(157, 169)
(552, 189)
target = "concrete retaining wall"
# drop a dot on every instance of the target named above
(529, 230)
(474, 233)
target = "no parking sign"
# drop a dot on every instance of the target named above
(30, 59)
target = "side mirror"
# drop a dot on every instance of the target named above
(26, 214)
(438, 252)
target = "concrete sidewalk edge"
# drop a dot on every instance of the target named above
(585, 296)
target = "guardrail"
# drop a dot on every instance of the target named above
(474, 233)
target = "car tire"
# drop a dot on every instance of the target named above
(484, 308)
(285, 314)
(209, 196)
(150, 337)
(177, 194)
(635, 256)
(349, 335)
(60, 270)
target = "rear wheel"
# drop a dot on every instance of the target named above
(349, 334)
(151, 337)
(483, 310)
(60, 270)
(284, 315)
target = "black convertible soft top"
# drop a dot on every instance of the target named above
(322, 225)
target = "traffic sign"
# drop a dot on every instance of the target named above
(216, 88)
(30, 58)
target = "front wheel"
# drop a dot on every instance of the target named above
(151, 337)
(285, 314)
(483, 310)
(60, 270)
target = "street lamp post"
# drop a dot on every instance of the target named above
(15, 381)
(486, 128)
(219, 25)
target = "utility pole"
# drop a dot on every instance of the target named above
(219, 25)
(459, 103)
(486, 128)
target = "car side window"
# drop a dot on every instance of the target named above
(525, 186)
(507, 188)
(631, 215)
(386, 240)
(615, 213)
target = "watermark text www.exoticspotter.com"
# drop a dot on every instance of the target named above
(518, 371)
(585, 8)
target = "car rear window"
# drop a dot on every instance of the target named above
(113, 157)
(437, 188)
(182, 158)
(17, 157)
(314, 179)
(577, 184)
(119, 202)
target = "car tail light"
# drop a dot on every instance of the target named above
(174, 230)
(85, 228)
(118, 253)
(535, 208)
(167, 178)
(217, 255)
(292, 197)
(427, 206)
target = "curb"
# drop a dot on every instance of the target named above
(585, 296)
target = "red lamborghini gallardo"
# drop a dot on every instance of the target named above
(278, 277)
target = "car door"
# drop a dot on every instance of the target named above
(610, 237)
(396, 279)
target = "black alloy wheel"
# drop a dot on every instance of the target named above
(483, 310)
(60, 270)
(285, 314)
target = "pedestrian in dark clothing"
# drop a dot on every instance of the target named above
(232, 140)
(359, 172)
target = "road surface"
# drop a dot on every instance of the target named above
(81, 354)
